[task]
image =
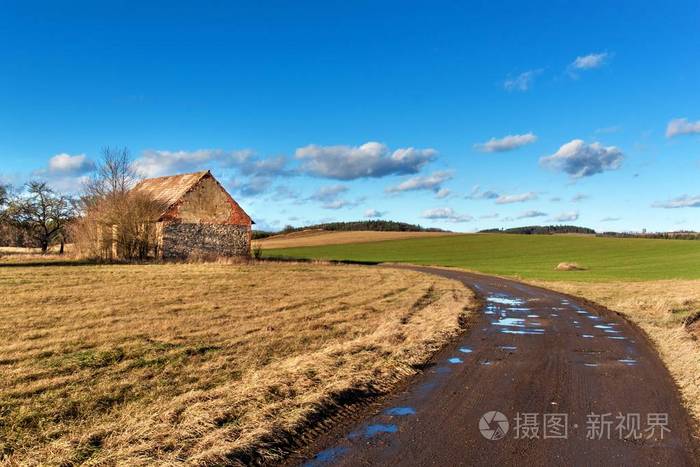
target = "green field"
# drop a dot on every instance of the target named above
(527, 256)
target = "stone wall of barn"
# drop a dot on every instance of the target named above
(181, 241)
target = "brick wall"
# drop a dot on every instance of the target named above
(182, 241)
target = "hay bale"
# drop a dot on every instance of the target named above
(569, 267)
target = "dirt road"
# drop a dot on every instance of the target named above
(539, 379)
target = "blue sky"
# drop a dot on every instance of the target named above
(449, 114)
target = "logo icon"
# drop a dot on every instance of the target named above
(493, 425)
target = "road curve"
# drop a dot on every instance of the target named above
(530, 351)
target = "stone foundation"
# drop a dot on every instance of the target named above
(180, 241)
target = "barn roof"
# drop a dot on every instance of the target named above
(168, 190)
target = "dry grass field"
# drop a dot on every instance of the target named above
(661, 309)
(325, 237)
(200, 364)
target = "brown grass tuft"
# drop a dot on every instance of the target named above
(569, 267)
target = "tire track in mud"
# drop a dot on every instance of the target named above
(493, 396)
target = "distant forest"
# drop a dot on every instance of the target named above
(542, 230)
(679, 235)
(381, 226)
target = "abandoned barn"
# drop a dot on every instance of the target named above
(199, 217)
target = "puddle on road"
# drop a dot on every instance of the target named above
(602, 326)
(590, 364)
(619, 338)
(519, 308)
(486, 362)
(587, 336)
(455, 360)
(400, 411)
(505, 301)
(533, 331)
(533, 316)
(379, 428)
(508, 348)
(326, 456)
(511, 322)
(465, 350)
(628, 361)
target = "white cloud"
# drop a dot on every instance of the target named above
(681, 126)
(443, 193)
(579, 159)
(430, 182)
(507, 143)
(371, 159)
(66, 173)
(579, 197)
(446, 214)
(684, 201)
(494, 215)
(155, 163)
(373, 213)
(568, 216)
(476, 193)
(271, 166)
(531, 214)
(522, 82)
(590, 61)
(66, 165)
(519, 198)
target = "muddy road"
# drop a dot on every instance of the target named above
(539, 379)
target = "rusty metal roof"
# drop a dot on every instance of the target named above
(168, 190)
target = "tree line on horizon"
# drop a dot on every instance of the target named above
(543, 230)
(351, 226)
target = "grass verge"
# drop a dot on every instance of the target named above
(201, 363)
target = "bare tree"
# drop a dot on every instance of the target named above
(115, 216)
(115, 174)
(4, 200)
(42, 213)
(4, 195)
